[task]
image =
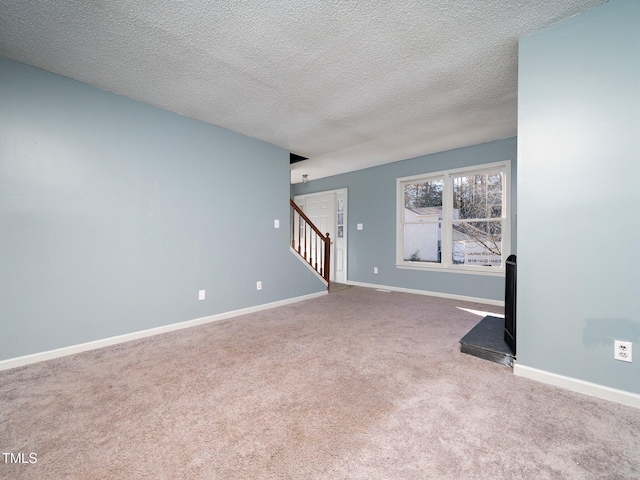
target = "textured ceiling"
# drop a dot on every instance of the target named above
(349, 84)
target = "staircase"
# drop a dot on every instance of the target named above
(310, 243)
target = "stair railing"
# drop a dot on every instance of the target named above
(310, 243)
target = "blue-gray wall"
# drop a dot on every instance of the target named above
(372, 202)
(579, 196)
(113, 214)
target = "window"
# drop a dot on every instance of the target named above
(456, 220)
(340, 217)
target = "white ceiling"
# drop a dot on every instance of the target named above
(349, 84)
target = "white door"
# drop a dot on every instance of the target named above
(320, 210)
(327, 211)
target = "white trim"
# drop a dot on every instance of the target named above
(471, 170)
(470, 270)
(580, 386)
(464, 298)
(105, 342)
(306, 264)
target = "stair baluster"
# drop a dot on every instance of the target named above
(318, 255)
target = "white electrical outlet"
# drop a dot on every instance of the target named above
(622, 351)
(359, 226)
(276, 224)
(375, 269)
(258, 285)
(201, 294)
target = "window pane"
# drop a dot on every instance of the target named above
(478, 196)
(422, 242)
(477, 243)
(341, 219)
(423, 195)
(341, 205)
(340, 231)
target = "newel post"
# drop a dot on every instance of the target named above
(327, 259)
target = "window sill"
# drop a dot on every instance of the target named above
(489, 272)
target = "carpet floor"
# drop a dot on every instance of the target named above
(358, 384)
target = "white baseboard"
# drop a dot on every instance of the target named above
(580, 386)
(486, 301)
(105, 342)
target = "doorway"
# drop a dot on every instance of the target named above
(328, 212)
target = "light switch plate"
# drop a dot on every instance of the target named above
(359, 226)
(201, 294)
(276, 224)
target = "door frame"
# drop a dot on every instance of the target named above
(337, 243)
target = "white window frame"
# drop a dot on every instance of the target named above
(447, 264)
